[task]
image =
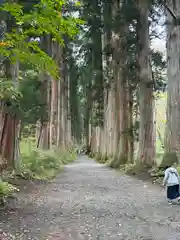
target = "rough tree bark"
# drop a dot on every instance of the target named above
(17, 122)
(146, 152)
(9, 134)
(172, 138)
(121, 88)
(53, 113)
(130, 125)
(54, 100)
(43, 140)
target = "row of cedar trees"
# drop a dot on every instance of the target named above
(119, 76)
(53, 131)
(56, 130)
(114, 97)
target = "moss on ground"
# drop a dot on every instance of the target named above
(169, 159)
(115, 163)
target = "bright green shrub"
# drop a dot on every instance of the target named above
(45, 164)
(6, 190)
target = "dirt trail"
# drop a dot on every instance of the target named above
(89, 201)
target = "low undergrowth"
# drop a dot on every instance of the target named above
(45, 164)
(103, 159)
(141, 171)
(144, 172)
(36, 164)
(155, 174)
(6, 190)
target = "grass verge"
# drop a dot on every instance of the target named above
(45, 164)
(6, 190)
(36, 164)
(143, 172)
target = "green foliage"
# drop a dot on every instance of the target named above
(32, 104)
(178, 168)
(28, 102)
(92, 155)
(158, 68)
(92, 46)
(6, 190)
(40, 164)
(102, 158)
(157, 173)
(45, 18)
(131, 168)
(8, 91)
(137, 169)
(98, 156)
(44, 164)
(10, 96)
(115, 163)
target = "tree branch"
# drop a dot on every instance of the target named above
(169, 10)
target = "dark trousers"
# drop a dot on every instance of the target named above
(173, 192)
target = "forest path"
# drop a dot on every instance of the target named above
(90, 201)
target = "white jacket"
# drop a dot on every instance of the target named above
(171, 177)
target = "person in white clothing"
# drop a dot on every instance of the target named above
(172, 182)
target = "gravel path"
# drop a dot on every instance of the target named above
(89, 201)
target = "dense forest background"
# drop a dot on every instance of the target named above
(86, 75)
